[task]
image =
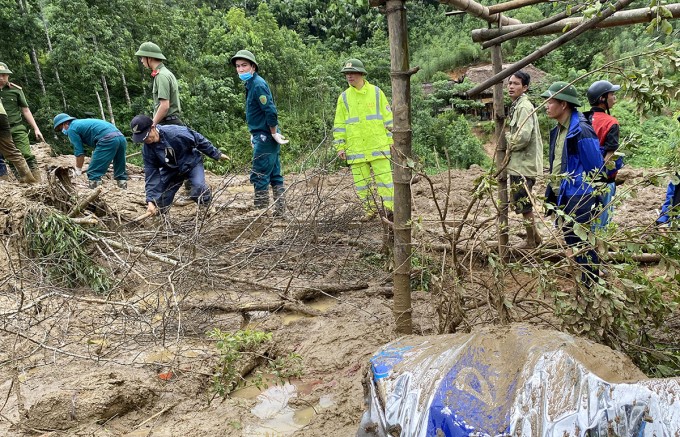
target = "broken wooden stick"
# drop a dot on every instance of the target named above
(85, 202)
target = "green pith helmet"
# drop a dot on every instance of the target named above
(244, 54)
(353, 66)
(61, 119)
(150, 50)
(4, 69)
(568, 94)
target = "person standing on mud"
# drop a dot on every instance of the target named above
(167, 107)
(574, 160)
(171, 155)
(265, 136)
(526, 153)
(362, 136)
(108, 143)
(602, 98)
(10, 151)
(16, 106)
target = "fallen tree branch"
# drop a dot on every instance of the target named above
(85, 202)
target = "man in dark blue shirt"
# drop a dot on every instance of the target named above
(265, 137)
(171, 155)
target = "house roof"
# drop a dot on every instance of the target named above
(481, 72)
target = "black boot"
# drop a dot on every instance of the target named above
(261, 199)
(279, 193)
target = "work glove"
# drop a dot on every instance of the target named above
(224, 157)
(79, 171)
(252, 144)
(279, 138)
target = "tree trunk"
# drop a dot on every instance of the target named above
(108, 100)
(125, 89)
(99, 102)
(56, 69)
(480, 11)
(38, 71)
(501, 146)
(401, 107)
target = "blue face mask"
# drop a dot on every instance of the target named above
(245, 76)
(63, 131)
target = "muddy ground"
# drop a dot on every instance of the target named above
(136, 360)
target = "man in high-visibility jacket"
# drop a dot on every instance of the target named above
(362, 136)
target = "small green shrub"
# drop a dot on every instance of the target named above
(234, 347)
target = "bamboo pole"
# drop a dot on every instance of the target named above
(480, 11)
(547, 48)
(623, 18)
(523, 30)
(401, 106)
(513, 4)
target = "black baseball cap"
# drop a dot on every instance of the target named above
(140, 126)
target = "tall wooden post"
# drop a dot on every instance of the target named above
(401, 107)
(501, 148)
(499, 118)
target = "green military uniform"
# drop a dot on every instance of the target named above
(9, 150)
(165, 87)
(13, 100)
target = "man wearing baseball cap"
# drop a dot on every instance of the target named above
(172, 154)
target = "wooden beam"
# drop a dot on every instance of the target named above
(480, 11)
(523, 30)
(633, 16)
(513, 4)
(547, 48)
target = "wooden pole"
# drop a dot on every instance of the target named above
(401, 107)
(501, 146)
(544, 50)
(480, 11)
(513, 4)
(633, 16)
(523, 30)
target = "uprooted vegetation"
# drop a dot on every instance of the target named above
(111, 318)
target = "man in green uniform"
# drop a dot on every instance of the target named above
(9, 150)
(526, 153)
(16, 106)
(166, 105)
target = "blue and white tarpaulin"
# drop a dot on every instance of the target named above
(514, 381)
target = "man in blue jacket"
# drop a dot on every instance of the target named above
(172, 154)
(265, 137)
(108, 143)
(575, 161)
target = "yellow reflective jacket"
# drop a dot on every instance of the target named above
(361, 121)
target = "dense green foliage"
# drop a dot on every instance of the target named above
(85, 50)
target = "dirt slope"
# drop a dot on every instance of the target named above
(136, 361)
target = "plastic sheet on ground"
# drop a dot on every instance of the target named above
(514, 381)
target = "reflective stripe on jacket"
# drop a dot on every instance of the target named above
(362, 119)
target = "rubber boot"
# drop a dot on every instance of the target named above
(122, 184)
(279, 193)
(23, 172)
(94, 184)
(261, 199)
(37, 175)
